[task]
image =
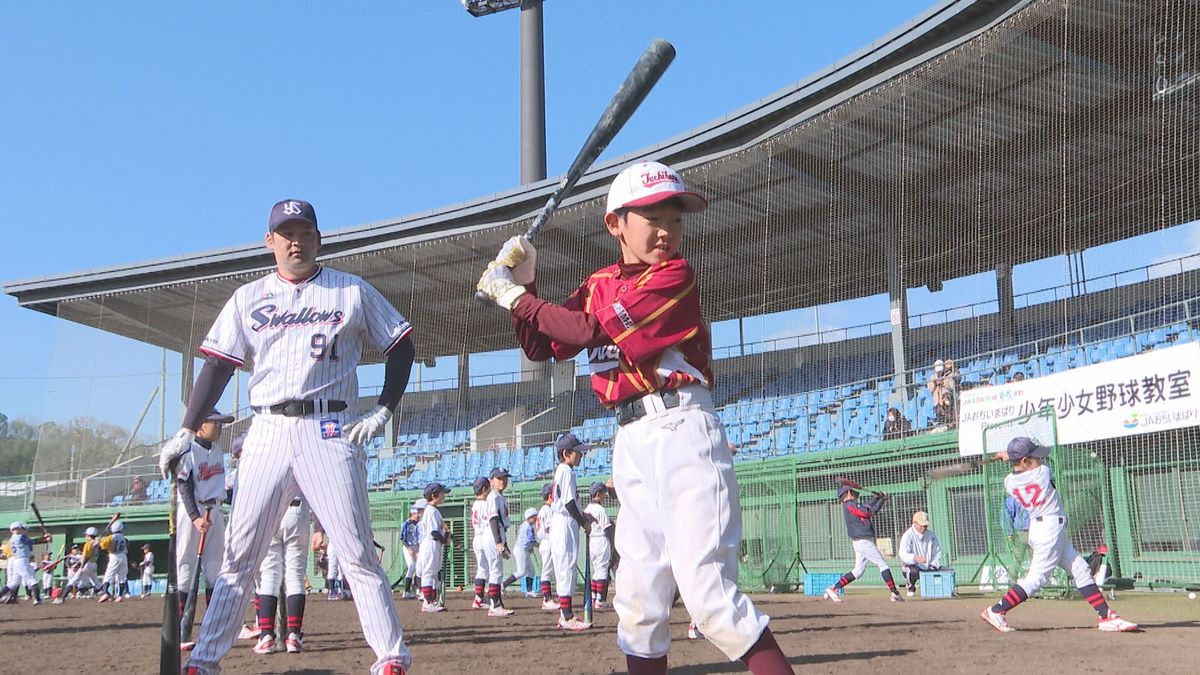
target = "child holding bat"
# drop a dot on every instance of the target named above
(861, 528)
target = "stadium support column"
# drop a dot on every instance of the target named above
(898, 316)
(533, 128)
(464, 382)
(1008, 313)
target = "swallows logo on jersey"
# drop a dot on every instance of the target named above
(206, 470)
(269, 316)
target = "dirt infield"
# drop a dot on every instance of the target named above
(864, 634)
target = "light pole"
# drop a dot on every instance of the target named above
(533, 81)
(533, 111)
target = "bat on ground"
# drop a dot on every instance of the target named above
(857, 487)
(168, 653)
(587, 578)
(38, 514)
(189, 611)
(645, 74)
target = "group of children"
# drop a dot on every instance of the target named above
(553, 530)
(80, 566)
(1031, 485)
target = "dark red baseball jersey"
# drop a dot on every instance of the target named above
(653, 335)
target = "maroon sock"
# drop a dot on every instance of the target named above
(545, 590)
(493, 592)
(1095, 598)
(765, 657)
(564, 607)
(427, 592)
(1015, 596)
(479, 584)
(640, 666)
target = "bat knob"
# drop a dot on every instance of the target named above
(482, 297)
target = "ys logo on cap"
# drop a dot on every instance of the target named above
(291, 208)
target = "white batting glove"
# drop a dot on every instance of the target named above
(519, 255)
(173, 450)
(363, 430)
(497, 283)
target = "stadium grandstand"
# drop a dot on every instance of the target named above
(954, 160)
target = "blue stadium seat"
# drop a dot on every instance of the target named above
(546, 466)
(782, 440)
(488, 461)
(533, 460)
(517, 463)
(503, 457)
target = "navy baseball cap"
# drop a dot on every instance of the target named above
(1022, 446)
(597, 488)
(570, 441)
(290, 210)
(843, 489)
(479, 485)
(547, 489)
(499, 473)
(216, 416)
(434, 489)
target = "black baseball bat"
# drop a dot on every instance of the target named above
(645, 74)
(38, 514)
(587, 577)
(189, 610)
(168, 654)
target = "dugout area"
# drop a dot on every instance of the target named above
(977, 142)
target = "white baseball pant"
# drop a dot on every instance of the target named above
(147, 578)
(332, 567)
(601, 557)
(429, 562)
(481, 564)
(187, 542)
(866, 551)
(20, 573)
(84, 577)
(117, 572)
(546, 553)
(493, 562)
(410, 563)
(564, 552)
(1052, 548)
(681, 526)
(283, 457)
(522, 565)
(287, 554)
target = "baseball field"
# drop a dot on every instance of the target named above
(864, 634)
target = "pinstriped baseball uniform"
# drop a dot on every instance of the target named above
(481, 536)
(544, 550)
(305, 339)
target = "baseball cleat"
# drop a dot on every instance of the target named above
(119, 598)
(832, 594)
(1115, 624)
(56, 601)
(910, 593)
(550, 605)
(432, 608)
(476, 603)
(265, 645)
(573, 624)
(408, 596)
(499, 611)
(36, 601)
(247, 633)
(187, 646)
(294, 643)
(104, 597)
(533, 595)
(996, 620)
(896, 597)
(693, 632)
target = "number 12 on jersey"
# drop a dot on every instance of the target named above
(1034, 493)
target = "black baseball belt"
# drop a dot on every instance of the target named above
(635, 408)
(301, 408)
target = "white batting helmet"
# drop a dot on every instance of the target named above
(17, 525)
(91, 532)
(117, 526)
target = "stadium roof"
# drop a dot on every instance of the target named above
(912, 142)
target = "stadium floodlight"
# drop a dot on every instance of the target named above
(485, 7)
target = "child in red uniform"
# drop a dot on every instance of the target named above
(650, 357)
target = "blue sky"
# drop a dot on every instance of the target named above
(131, 133)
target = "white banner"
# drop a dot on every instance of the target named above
(1123, 397)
